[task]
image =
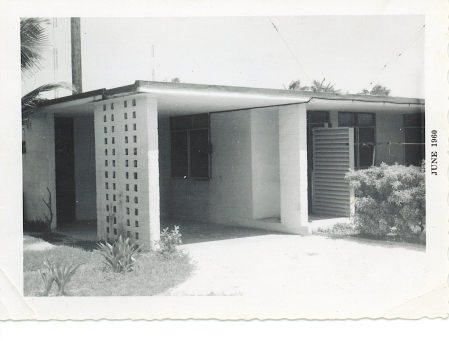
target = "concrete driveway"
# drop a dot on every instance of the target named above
(317, 271)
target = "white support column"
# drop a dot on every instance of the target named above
(153, 169)
(293, 167)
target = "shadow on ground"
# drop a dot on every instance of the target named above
(58, 239)
(193, 232)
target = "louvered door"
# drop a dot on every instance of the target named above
(333, 157)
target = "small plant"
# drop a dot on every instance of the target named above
(121, 255)
(58, 273)
(48, 280)
(169, 241)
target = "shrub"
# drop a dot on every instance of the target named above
(338, 229)
(59, 273)
(121, 255)
(389, 199)
(169, 241)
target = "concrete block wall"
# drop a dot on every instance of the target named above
(39, 167)
(127, 171)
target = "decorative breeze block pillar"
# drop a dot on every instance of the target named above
(127, 171)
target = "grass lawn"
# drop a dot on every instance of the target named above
(152, 275)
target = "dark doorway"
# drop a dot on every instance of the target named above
(315, 119)
(65, 170)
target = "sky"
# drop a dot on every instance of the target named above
(348, 51)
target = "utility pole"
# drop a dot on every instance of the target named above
(75, 32)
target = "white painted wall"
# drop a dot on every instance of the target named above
(265, 163)
(39, 167)
(84, 150)
(231, 183)
(227, 196)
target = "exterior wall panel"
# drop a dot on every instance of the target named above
(265, 163)
(39, 167)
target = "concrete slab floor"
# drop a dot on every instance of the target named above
(192, 231)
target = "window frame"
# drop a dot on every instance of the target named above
(356, 127)
(422, 127)
(188, 130)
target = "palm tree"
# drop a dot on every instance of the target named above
(318, 86)
(33, 42)
(31, 100)
(296, 85)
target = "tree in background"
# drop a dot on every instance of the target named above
(377, 90)
(176, 80)
(318, 86)
(296, 85)
(33, 42)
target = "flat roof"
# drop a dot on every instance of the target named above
(185, 98)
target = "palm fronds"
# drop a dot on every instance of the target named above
(33, 40)
(121, 255)
(296, 85)
(32, 99)
(318, 86)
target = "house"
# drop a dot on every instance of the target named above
(271, 159)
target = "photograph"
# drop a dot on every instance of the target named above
(230, 167)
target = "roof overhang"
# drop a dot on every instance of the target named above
(182, 99)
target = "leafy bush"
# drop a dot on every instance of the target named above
(169, 241)
(121, 255)
(59, 273)
(389, 199)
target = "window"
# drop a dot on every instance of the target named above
(190, 148)
(364, 136)
(414, 134)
